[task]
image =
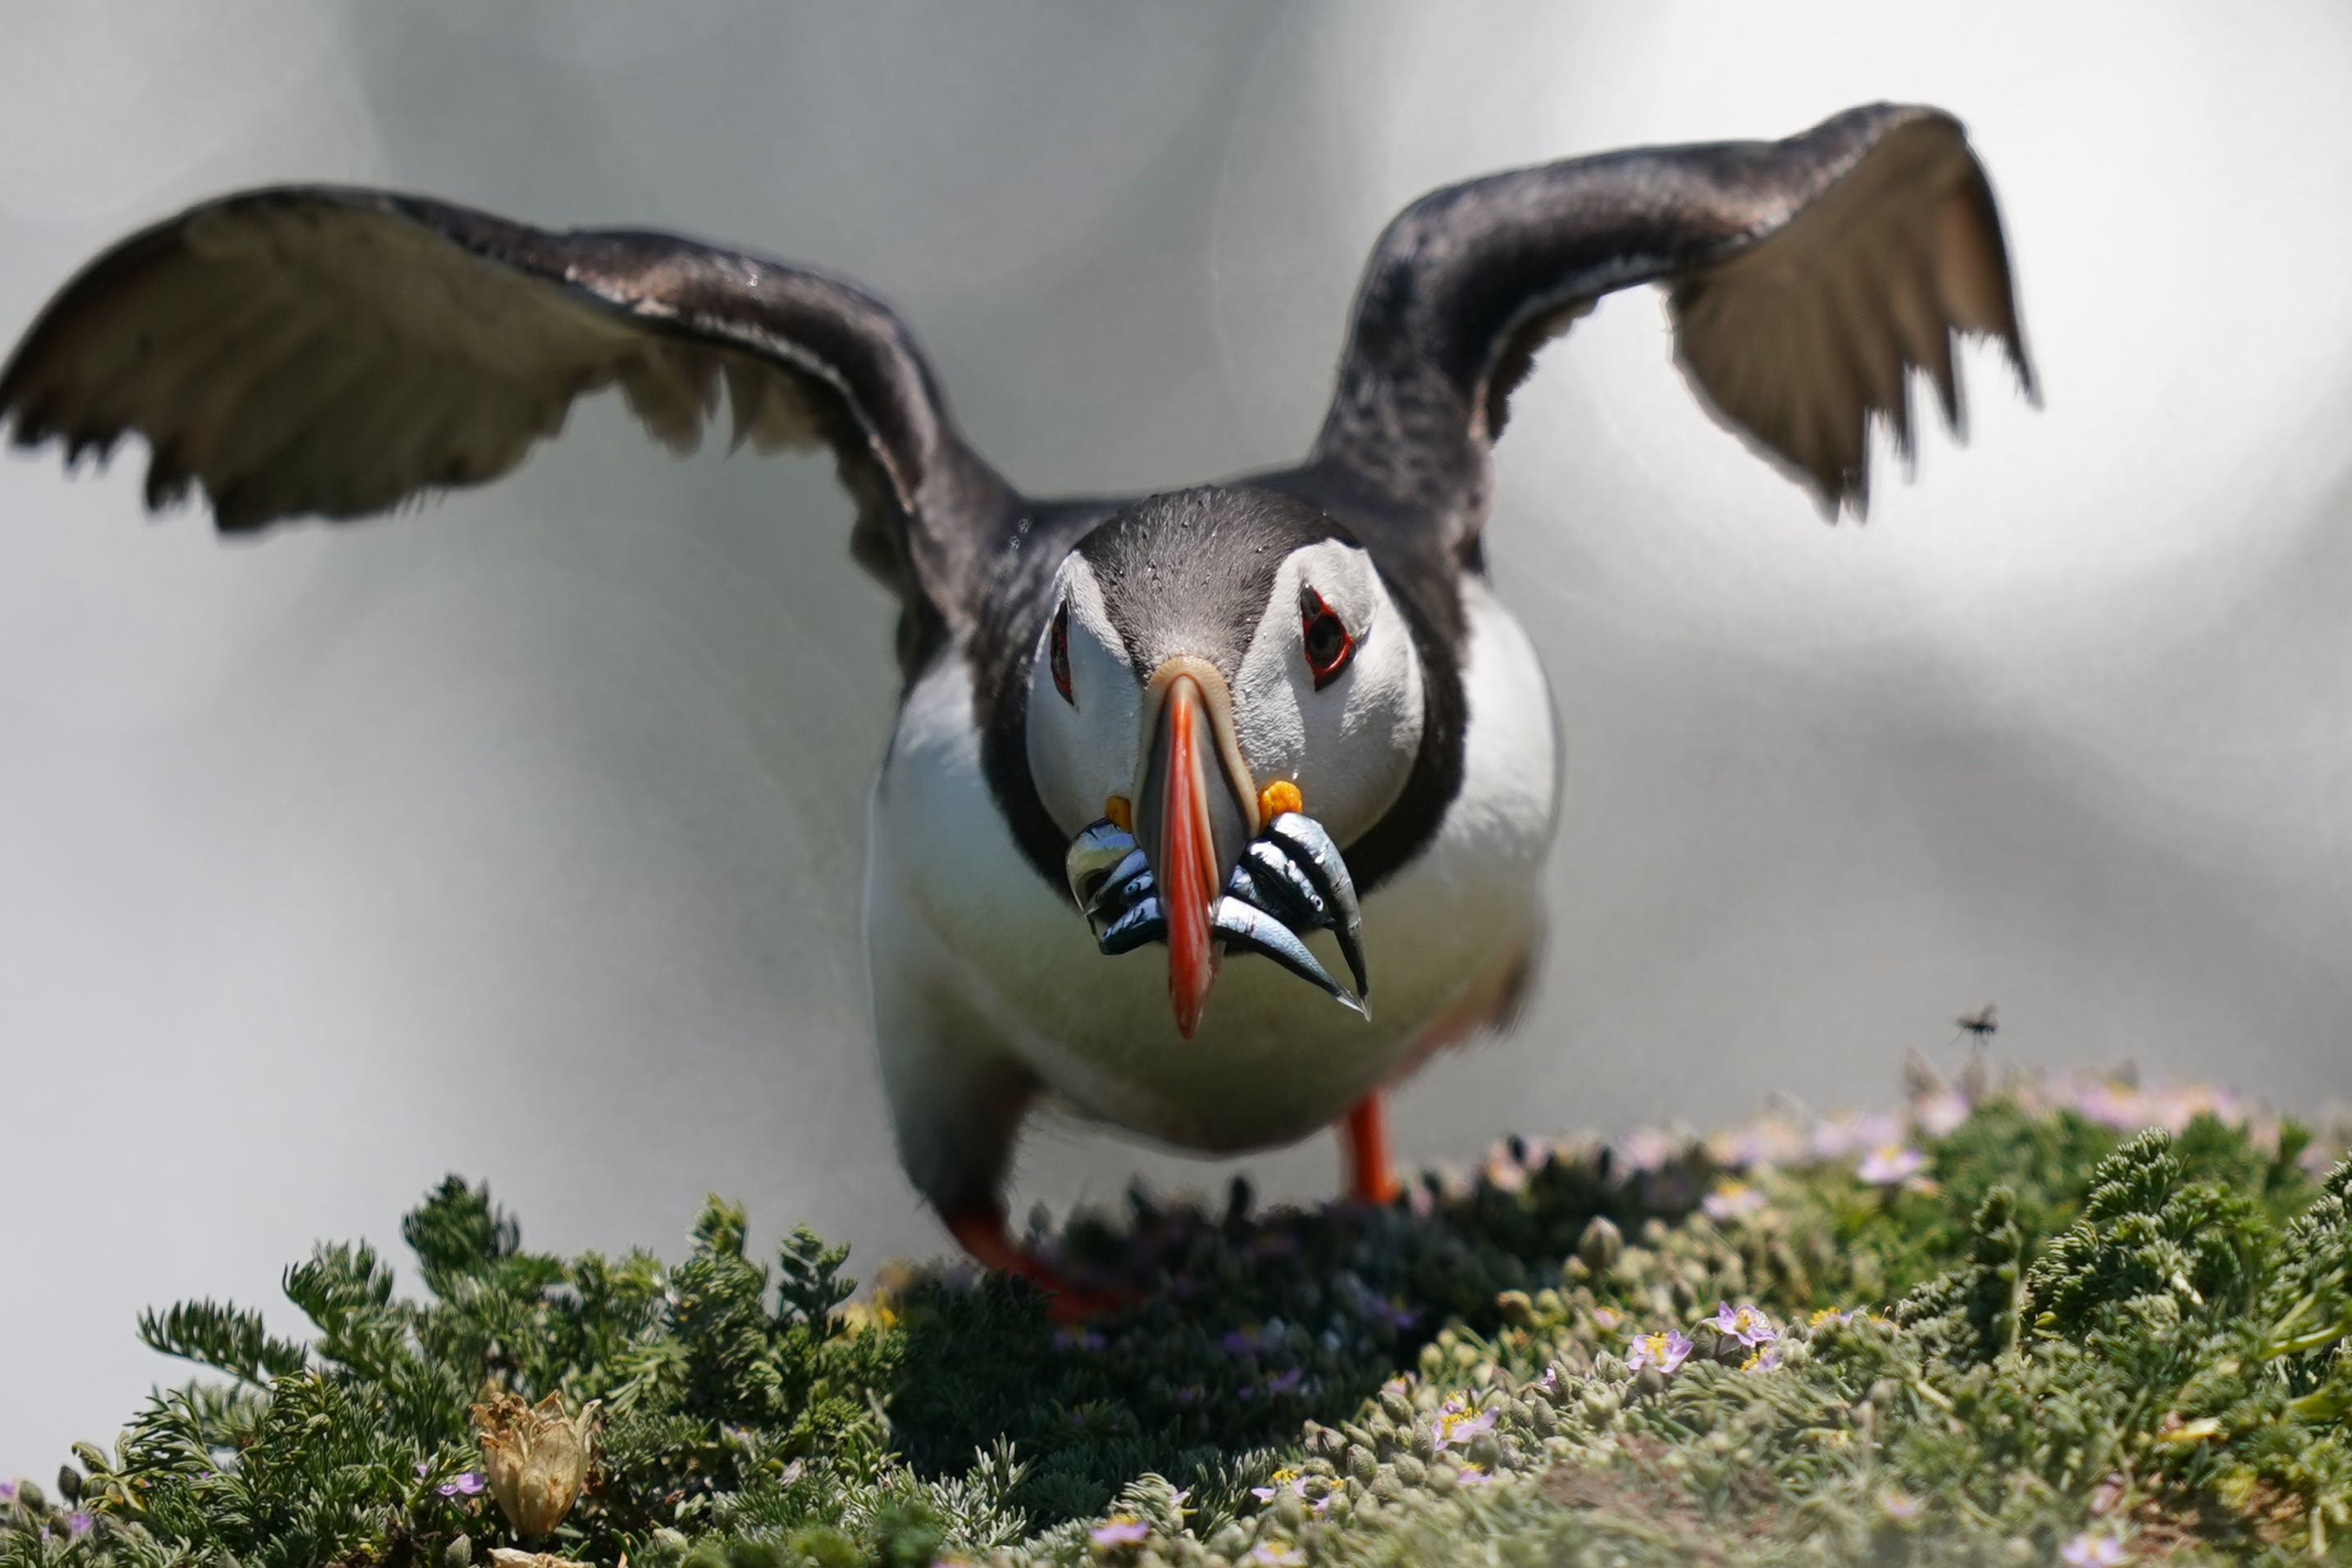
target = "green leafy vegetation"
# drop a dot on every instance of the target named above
(2013, 1331)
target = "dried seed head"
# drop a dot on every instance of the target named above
(1601, 1246)
(536, 1456)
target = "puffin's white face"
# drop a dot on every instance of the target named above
(1327, 695)
(1086, 704)
(1192, 697)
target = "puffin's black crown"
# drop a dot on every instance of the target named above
(1190, 571)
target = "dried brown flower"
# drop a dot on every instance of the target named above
(537, 1458)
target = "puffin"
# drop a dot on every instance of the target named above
(1173, 777)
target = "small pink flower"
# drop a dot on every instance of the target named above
(1891, 1163)
(1746, 1322)
(1939, 1114)
(1471, 1476)
(1666, 1352)
(1842, 1134)
(1644, 1149)
(2088, 1550)
(1732, 1200)
(1457, 1423)
(2114, 1105)
(1122, 1529)
(1900, 1506)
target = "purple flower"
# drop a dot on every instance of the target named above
(1471, 1476)
(1842, 1134)
(1732, 1200)
(1646, 1149)
(7, 1492)
(2114, 1105)
(1940, 1113)
(1285, 1382)
(1395, 1314)
(2088, 1550)
(1122, 1529)
(470, 1482)
(1890, 1163)
(1456, 1422)
(1666, 1352)
(1899, 1505)
(78, 1523)
(1078, 1339)
(1242, 1341)
(1281, 1481)
(1769, 1140)
(1504, 1173)
(1766, 1360)
(1274, 1554)
(1746, 1322)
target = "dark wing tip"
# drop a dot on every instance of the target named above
(1885, 253)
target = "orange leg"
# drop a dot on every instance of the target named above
(981, 1232)
(1366, 1134)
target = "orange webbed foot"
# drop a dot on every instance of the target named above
(981, 1232)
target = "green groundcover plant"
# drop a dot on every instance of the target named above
(2001, 1328)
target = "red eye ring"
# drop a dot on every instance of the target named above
(1324, 637)
(1057, 653)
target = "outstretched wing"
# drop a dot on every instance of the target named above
(1807, 279)
(330, 351)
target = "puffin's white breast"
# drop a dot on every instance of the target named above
(1274, 1059)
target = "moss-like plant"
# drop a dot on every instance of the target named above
(2004, 1334)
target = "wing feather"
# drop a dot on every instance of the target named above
(332, 351)
(1808, 280)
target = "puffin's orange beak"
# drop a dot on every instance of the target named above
(1193, 819)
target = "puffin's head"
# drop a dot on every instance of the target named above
(1212, 658)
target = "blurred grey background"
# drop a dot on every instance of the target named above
(520, 837)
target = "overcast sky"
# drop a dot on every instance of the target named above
(519, 836)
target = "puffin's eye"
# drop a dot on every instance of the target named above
(1324, 637)
(1058, 653)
